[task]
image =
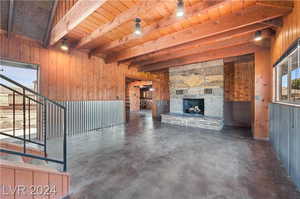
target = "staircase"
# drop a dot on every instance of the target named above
(25, 168)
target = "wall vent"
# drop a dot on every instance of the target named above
(208, 91)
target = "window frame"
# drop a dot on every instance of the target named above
(277, 85)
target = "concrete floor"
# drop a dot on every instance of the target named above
(147, 159)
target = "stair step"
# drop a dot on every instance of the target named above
(12, 158)
(37, 162)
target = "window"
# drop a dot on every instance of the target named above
(11, 109)
(287, 77)
(282, 72)
(295, 77)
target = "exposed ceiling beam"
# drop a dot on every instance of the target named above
(227, 38)
(79, 12)
(253, 14)
(50, 21)
(204, 48)
(140, 9)
(238, 50)
(242, 58)
(276, 23)
(10, 17)
(195, 10)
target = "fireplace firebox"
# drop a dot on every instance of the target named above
(193, 106)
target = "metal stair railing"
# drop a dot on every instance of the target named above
(42, 105)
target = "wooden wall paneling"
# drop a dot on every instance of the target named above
(103, 83)
(77, 76)
(297, 10)
(90, 78)
(24, 178)
(286, 35)
(12, 52)
(40, 179)
(120, 85)
(61, 69)
(93, 71)
(72, 82)
(84, 75)
(43, 72)
(106, 80)
(3, 42)
(45, 68)
(59, 75)
(25, 52)
(98, 79)
(72, 76)
(68, 77)
(51, 72)
(93, 90)
(8, 180)
(16, 176)
(36, 54)
(57, 181)
(65, 186)
(228, 81)
(109, 88)
(80, 77)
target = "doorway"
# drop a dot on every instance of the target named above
(138, 97)
(239, 92)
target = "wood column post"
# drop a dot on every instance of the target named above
(262, 93)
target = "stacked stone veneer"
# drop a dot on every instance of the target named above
(190, 81)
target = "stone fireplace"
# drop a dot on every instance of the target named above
(198, 81)
(197, 95)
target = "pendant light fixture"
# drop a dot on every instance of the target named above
(64, 46)
(180, 8)
(137, 27)
(258, 36)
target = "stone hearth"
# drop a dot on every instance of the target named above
(192, 121)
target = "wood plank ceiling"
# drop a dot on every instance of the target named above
(210, 29)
